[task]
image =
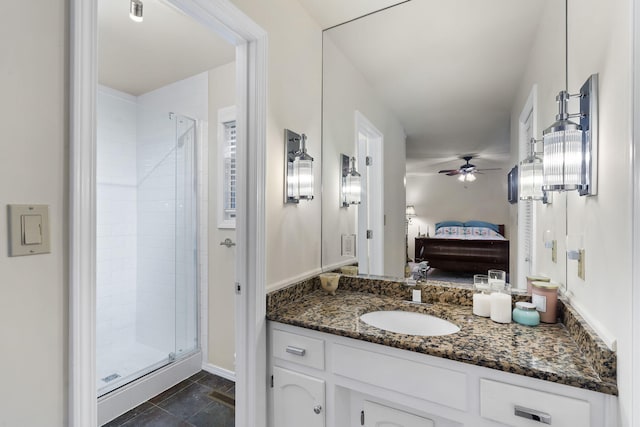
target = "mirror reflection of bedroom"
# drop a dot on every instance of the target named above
(456, 114)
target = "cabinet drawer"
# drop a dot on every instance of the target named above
(525, 407)
(299, 349)
(432, 383)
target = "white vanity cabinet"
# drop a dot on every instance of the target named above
(376, 415)
(350, 383)
(298, 399)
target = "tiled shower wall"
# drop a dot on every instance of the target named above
(140, 298)
(116, 219)
(167, 319)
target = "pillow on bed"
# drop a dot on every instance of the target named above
(449, 224)
(450, 231)
(483, 232)
(484, 224)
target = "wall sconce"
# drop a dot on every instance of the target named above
(135, 10)
(410, 212)
(299, 172)
(351, 184)
(571, 149)
(531, 175)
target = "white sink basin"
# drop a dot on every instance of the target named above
(409, 323)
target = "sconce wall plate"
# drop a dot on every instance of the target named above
(589, 124)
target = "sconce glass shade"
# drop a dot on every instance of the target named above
(467, 177)
(303, 176)
(135, 10)
(352, 185)
(410, 211)
(299, 173)
(563, 157)
(531, 176)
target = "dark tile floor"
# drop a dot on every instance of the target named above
(187, 404)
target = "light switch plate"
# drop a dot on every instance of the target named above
(28, 229)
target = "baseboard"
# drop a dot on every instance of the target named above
(221, 372)
(121, 400)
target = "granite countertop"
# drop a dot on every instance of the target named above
(547, 351)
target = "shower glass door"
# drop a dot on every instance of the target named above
(146, 239)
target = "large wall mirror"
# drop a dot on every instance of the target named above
(410, 91)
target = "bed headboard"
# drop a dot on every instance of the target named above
(501, 229)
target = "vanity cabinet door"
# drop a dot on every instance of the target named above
(376, 415)
(298, 400)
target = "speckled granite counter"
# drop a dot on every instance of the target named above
(570, 355)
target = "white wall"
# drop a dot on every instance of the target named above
(546, 49)
(439, 198)
(33, 169)
(346, 91)
(294, 102)
(600, 37)
(599, 42)
(221, 262)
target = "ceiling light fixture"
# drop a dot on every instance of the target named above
(135, 10)
(467, 177)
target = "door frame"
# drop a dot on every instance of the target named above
(373, 216)
(250, 40)
(530, 109)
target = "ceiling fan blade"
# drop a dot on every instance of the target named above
(448, 170)
(489, 169)
(453, 173)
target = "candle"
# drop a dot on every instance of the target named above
(500, 307)
(482, 304)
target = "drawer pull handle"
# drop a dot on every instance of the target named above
(296, 350)
(532, 414)
(317, 409)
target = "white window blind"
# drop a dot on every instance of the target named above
(227, 168)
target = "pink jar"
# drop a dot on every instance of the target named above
(531, 279)
(545, 297)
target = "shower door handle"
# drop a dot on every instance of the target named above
(228, 243)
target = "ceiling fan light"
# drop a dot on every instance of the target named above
(471, 177)
(135, 10)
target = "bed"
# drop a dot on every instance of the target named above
(472, 246)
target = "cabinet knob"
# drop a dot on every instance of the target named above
(317, 409)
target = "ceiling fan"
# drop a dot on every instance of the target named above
(467, 171)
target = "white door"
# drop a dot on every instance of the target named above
(376, 415)
(370, 246)
(298, 400)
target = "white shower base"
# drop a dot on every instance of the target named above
(129, 361)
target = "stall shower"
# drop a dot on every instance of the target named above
(146, 268)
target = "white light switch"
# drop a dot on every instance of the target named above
(28, 229)
(31, 229)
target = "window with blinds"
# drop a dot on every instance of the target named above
(227, 168)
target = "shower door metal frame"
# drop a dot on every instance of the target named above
(250, 40)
